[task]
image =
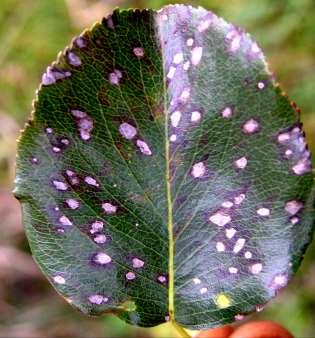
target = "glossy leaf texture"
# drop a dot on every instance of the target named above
(164, 175)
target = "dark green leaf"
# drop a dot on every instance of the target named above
(164, 174)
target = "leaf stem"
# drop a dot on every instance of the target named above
(180, 330)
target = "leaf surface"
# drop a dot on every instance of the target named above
(164, 174)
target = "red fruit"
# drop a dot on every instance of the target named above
(220, 332)
(261, 329)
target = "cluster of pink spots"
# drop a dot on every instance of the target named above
(84, 123)
(294, 148)
(72, 177)
(234, 39)
(222, 218)
(129, 132)
(52, 75)
(96, 230)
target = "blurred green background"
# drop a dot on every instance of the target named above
(31, 34)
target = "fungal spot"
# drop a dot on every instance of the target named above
(100, 239)
(251, 126)
(186, 65)
(175, 118)
(260, 85)
(65, 141)
(138, 52)
(72, 177)
(91, 181)
(229, 233)
(280, 280)
(227, 204)
(263, 212)
(73, 59)
(283, 137)
(97, 299)
(294, 220)
(127, 131)
(184, 96)
(109, 208)
(34, 160)
(220, 247)
(115, 77)
(248, 255)
(84, 123)
(96, 227)
(137, 263)
(220, 218)
(198, 170)
(59, 185)
(56, 149)
(288, 153)
(197, 281)
(80, 42)
(196, 54)
(227, 112)
(239, 245)
(233, 270)
(64, 220)
(239, 199)
(195, 116)
(234, 38)
(173, 138)
(59, 279)
(171, 72)
(203, 291)
(190, 42)
(144, 148)
(222, 301)
(303, 166)
(241, 163)
(72, 203)
(204, 25)
(49, 130)
(162, 279)
(239, 317)
(293, 207)
(178, 58)
(130, 275)
(52, 75)
(256, 268)
(102, 258)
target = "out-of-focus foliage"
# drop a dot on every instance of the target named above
(31, 31)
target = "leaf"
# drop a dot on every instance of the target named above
(164, 175)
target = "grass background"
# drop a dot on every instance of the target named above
(31, 34)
